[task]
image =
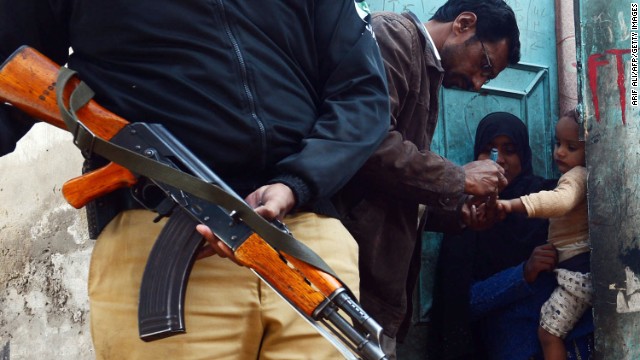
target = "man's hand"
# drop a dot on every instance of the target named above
(480, 213)
(270, 201)
(214, 246)
(543, 258)
(483, 178)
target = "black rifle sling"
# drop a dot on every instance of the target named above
(88, 143)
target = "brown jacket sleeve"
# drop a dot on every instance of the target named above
(403, 165)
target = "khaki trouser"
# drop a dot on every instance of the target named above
(229, 312)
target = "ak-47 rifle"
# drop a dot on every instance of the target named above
(146, 155)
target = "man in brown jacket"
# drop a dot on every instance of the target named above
(464, 45)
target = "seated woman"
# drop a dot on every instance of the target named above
(490, 285)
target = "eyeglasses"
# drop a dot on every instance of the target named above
(487, 69)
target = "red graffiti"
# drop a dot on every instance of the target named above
(597, 60)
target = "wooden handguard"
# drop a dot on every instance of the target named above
(256, 254)
(28, 82)
(324, 282)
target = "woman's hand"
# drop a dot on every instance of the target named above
(543, 258)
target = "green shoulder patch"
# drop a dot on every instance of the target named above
(363, 10)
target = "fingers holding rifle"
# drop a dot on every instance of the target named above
(272, 201)
(214, 245)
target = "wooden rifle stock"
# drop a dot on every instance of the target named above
(28, 82)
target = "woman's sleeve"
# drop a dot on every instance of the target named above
(499, 290)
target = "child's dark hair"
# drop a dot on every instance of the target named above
(573, 113)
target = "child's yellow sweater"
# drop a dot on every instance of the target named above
(566, 208)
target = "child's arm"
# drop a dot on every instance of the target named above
(570, 192)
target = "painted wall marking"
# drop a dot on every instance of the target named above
(598, 60)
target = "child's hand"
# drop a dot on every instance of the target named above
(504, 206)
(501, 213)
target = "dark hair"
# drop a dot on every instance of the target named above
(572, 113)
(495, 21)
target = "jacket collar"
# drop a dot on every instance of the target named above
(427, 41)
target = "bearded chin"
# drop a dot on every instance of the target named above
(450, 82)
(456, 81)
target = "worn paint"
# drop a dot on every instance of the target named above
(628, 299)
(612, 130)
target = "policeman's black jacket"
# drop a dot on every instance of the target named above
(298, 96)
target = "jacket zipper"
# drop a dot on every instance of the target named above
(245, 84)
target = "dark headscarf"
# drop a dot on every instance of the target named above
(503, 123)
(474, 255)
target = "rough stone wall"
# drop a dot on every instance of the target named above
(44, 252)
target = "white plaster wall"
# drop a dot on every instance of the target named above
(44, 252)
